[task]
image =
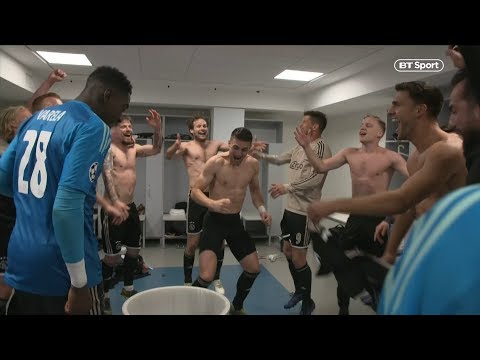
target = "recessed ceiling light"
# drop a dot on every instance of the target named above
(298, 75)
(65, 58)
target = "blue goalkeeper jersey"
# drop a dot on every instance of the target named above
(65, 146)
(438, 271)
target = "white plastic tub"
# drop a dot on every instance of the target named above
(177, 300)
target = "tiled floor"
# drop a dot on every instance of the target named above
(323, 288)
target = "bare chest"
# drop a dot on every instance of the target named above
(415, 162)
(197, 153)
(124, 160)
(369, 165)
(234, 177)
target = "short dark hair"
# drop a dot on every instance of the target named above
(471, 55)
(318, 117)
(242, 134)
(111, 77)
(460, 76)
(422, 93)
(380, 121)
(37, 104)
(191, 121)
(122, 118)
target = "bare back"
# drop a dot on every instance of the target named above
(196, 155)
(371, 172)
(124, 172)
(452, 178)
(231, 182)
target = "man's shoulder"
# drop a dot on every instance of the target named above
(320, 141)
(121, 148)
(350, 151)
(80, 112)
(446, 148)
(87, 119)
(251, 161)
(318, 145)
(218, 159)
(214, 143)
(389, 153)
(188, 144)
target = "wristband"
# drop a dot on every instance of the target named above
(78, 275)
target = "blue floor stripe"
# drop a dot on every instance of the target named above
(267, 296)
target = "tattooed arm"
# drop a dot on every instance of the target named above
(110, 190)
(155, 121)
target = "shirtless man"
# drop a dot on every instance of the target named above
(465, 118)
(195, 154)
(371, 170)
(42, 97)
(123, 177)
(228, 175)
(436, 167)
(433, 259)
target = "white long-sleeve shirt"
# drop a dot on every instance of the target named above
(305, 183)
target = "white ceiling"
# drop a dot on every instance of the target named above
(232, 65)
(239, 67)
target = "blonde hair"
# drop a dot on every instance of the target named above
(8, 117)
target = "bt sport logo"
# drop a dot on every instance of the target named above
(418, 65)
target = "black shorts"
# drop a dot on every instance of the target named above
(128, 233)
(218, 227)
(24, 303)
(295, 225)
(7, 222)
(359, 232)
(195, 215)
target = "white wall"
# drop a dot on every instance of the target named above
(162, 94)
(18, 74)
(224, 121)
(378, 74)
(290, 121)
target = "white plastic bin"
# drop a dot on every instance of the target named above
(177, 300)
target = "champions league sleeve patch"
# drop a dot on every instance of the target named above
(93, 171)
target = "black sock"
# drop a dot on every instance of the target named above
(220, 256)
(107, 272)
(130, 264)
(187, 267)
(201, 283)
(293, 271)
(244, 284)
(342, 298)
(304, 276)
(3, 306)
